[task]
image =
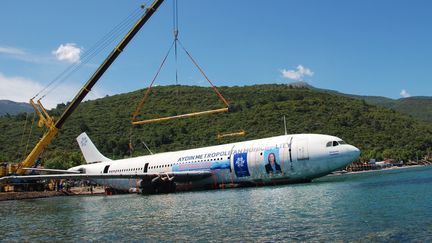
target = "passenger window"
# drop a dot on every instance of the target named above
(335, 143)
(329, 144)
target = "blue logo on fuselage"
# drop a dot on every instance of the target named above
(240, 165)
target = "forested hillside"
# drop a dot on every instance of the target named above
(378, 132)
(419, 107)
(13, 108)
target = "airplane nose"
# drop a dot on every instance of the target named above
(355, 152)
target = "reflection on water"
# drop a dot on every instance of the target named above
(379, 206)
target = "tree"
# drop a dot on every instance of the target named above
(64, 160)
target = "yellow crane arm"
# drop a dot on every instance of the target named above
(37, 150)
(48, 121)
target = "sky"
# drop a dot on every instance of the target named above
(366, 47)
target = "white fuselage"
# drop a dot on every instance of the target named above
(281, 159)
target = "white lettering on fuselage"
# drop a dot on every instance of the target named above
(224, 153)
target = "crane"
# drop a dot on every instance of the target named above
(53, 125)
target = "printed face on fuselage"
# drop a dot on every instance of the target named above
(271, 158)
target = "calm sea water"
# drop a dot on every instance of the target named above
(380, 206)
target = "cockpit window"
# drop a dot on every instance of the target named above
(335, 143)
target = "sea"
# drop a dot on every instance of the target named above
(380, 206)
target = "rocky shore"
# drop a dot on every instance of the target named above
(31, 195)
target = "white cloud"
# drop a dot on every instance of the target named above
(22, 55)
(21, 89)
(11, 51)
(68, 52)
(297, 74)
(18, 88)
(404, 93)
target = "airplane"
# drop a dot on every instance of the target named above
(269, 161)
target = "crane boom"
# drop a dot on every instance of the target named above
(53, 127)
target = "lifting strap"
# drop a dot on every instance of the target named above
(205, 76)
(147, 92)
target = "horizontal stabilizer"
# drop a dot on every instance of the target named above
(53, 170)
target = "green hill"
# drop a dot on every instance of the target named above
(13, 108)
(419, 107)
(378, 132)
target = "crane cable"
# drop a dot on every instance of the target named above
(205, 76)
(23, 133)
(97, 48)
(102, 45)
(175, 32)
(147, 93)
(175, 42)
(29, 135)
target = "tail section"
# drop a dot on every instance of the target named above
(89, 150)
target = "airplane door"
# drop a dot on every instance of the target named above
(302, 149)
(290, 153)
(255, 164)
(231, 159)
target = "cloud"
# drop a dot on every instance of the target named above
(297, 74)
(22, 55)
(68, 52)
(11, 51)
(404, 93)
(21, 89)
(18, 88)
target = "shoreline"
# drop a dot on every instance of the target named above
(75, 191)
(378, 170)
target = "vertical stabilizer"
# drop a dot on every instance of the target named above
(89, 150)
